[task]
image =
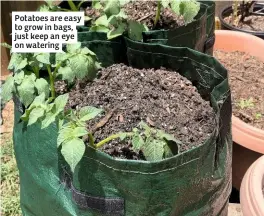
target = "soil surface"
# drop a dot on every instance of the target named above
(162, 99)
(145, 12)
(251, 23)
(246, 76)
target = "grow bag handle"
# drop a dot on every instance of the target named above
(106, 206)
(209, 43)
(114, 206)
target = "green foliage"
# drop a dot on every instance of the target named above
(258, 116)
(73, 151)
(112, 7)
(77, 63)
(246, 103)
(155, 144)
(189, 9)
(135, 30)
(69, 138)
(44, 110)
(186, 8)
(26, 90)
(42, 86)
(7, 89)
(26, 83)
(114, 22)
(18, 62)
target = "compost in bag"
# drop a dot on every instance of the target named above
(162, 99)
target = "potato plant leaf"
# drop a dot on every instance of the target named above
(26, 90)
(165, 3)
(17, 62)
(67, 74)
(112, 7)
(153, 149)
(43, 57)
(42, 86)
(137, 142)
(88, 112)
(96, 4)
(73, 151)
(155, 144)
(79, 63)
(18, 77)
(189, 9)
(39, 101)
(60, 102)
(73, 48)
(102, 21)
(99, 29)
(175, 6)
(119, 30)
(35, 114)
(70, 132)
(135, 30)
(49, 118)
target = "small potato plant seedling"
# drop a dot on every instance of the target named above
(155, 144)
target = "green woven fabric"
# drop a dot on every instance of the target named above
(193, 183)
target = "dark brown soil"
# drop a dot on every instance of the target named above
(145, 12)
(252, 23)
(160, 98)
(246, 76)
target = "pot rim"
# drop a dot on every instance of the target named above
(224, 23)
(243, 133)
(252, 196)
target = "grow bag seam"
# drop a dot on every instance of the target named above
(184, 33)
(138, 172)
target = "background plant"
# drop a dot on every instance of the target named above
(241, 10)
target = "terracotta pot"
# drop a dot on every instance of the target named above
(251, 194)
(248, 140)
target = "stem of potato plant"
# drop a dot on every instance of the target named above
(52, 84)
(112, 137)
(157, 13)
(72, 5)
(91, 140)
(36, 71)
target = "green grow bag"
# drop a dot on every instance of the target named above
(197, 35)
(193, 183)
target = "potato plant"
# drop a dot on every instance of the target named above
(114, 21)
(186, 8)
(33, 84)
